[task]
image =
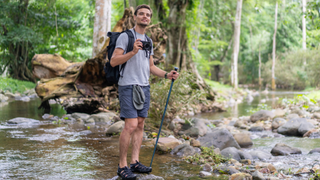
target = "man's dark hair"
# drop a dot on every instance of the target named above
(142, 6)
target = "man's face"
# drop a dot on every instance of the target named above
(143, 17)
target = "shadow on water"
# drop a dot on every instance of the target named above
(70, 151)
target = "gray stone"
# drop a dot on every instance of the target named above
(3, 98)
(24, 99)
(90, 120)
(277, 122)
(207, 167)
(257, 176)
(316, 116)
(105, 117)
(256, 129)
(298, 111)
(23, 121)
(115, 128)
(82, 116)
(291, 116)
(198, 128)
(219, 138)
(316, 150)
(291, 127)
(281, 149)
(148, 177)
(261, 115)
(231, 152)
(261, 155)
(305, 127)
(10, 95)
(204, 174)
(166, 144)
(243, 139)
(183, 150)
(245, 155)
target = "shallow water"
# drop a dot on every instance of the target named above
(76, 151)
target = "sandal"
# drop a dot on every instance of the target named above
(126, 174)
(138, 167)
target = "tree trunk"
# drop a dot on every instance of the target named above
(260, 81)
(132, 3)
(273, 83)
(102, 25)
(304, 36)
(236, 43)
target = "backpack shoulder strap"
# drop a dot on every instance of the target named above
(130, 40)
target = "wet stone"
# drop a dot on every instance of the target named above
(281, 149)
(21, 120)
(316, 150)
(204, 174)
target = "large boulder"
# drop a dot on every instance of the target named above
(291, 128)
(234, 153)
(104, 117)
(115, 128)
(219, 138)
(261, 115)
(277, 122)
(198, 128)
(316, 150)
(292, 116)
(23, 121)
(281, 149)
(243, 139)
(166, 144)
(82, 116)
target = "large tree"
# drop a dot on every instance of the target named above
(273, 82)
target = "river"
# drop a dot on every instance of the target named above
(77, 151)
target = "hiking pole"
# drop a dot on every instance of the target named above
(155, 147)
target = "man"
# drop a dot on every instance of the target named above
(135, 76)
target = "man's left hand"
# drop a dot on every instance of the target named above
(173, 75)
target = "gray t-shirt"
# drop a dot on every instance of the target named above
(137, 70)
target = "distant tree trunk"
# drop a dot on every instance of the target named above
(260, 81)
(304, 36)
(236, 44)
(102, 24)
(273, 83)
(132, 3)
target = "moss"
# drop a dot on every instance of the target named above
(14, 85)
(207, 156)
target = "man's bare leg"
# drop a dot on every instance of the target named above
(124, 141)
(137, 136)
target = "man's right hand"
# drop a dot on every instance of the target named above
(137, 46)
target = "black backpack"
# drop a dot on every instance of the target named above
(113, 73)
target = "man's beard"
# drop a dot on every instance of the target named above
(142, 25)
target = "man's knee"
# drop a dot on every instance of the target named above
(131, 125)
(140, 123)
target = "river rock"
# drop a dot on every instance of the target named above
(316, 150)
(195, 143)
(240, 176)
(198, 128)
(207, 167)
(232, 152)
(82, 116)
(24, 99)
(305, 127)
(23, 121)
(257, 176)
(291, 128)
(115, 128)
(243, 139)
(261, 155)
(142, 177)
(225, 170)
(310, 132)
(10, 95)
(205, 174)
(281, 149)
(265, 166)
(183, 150)
(219, 138)
(277, 122)
(261, 115)
(292, 116)
(256, 129)
(279, 112)
(105, 117)
(3, 98)
(316, 115)
(298, 111)
(166, 144)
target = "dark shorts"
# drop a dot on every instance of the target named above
(127, 110)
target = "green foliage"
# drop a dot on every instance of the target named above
(183, 96)
(207, 156)
(14, 85)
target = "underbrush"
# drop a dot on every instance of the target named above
(14, 85)
(207, 156)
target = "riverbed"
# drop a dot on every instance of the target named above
(79, 151)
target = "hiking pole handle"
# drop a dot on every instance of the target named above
(164, 113)
(175, 69)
